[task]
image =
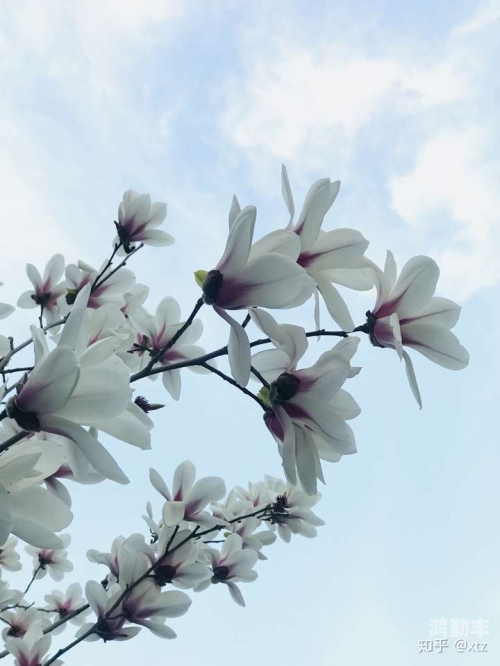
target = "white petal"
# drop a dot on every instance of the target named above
(25, 300)
(172, 382)
(154, 237)
(286, 191)
(238, 243)
(183, 481)
(318, 202)
(334, 302)
(235, 593)
(173, 513)
(437, 343)
(238, 348)
(306, 463)
(234, 211)
(168, 312)
(51, 383)
(415, 286)
(412, 380)
(91, 448)
(280, 241)
(71, 330)
(439, 311)
(159, 484)
(101, 393)
(288, 447)
(341, 248)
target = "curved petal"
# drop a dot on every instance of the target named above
(238, 243)
(183, 481)
(334, 302)
(437, 343)
(238, 349)
(412, 380)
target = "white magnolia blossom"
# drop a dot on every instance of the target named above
(47, 290)
(242, 279)
(291, 510)
(153, 333)
(188, 499)
(231, 565)
(138, 220)
(20, 620)
(52, 561)
(66, 603)
(26, 510)
(407, 314)
(29, 650)
(308, 408)
(178, 567)
(8, 596)
(110, 287)
(9, 557)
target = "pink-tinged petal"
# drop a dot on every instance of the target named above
(323, 379)
(288, 447)
(440, 311)
(173, 513)
(286, 191)
(234, 211)
(183, 481)
(238, 349)
(154, 237)
(347, 347)
(318, 202)
(238, 243)
(53, 271)
(25, 300)
(235, 593)
(159, 484)
(412, 379)
(414, 289)
(51, 383)
(390, 269)
(280, 241)
(206, 490)
(172, 382)
(92, 449)
(306, 463)
(334, 302)
(269, 281)
(437, 343)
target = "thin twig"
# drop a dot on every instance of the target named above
(231, 381)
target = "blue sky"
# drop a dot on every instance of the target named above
(195, 101)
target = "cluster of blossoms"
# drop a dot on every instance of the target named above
(79, 383)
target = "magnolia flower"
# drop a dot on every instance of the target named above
(46, 291)
(9, 557)
(179, 566)
(307, 407)
(407, 313)
(155, 332)
(138, 219)
(230, 566)
(54, 561)
(8, 596)
(242, 280)
(291, 510)
(29, 650)
(27, 510)
(21, 620)
(110, 288)
(66, 603)
(108, 628)
(145, 604)
(328, 257)
(188, 499)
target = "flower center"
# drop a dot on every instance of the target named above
(211, 286)
(220, 574)
(284, 388)
(165, 574)
(25, 420)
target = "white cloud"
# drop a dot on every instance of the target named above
(309, 103)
